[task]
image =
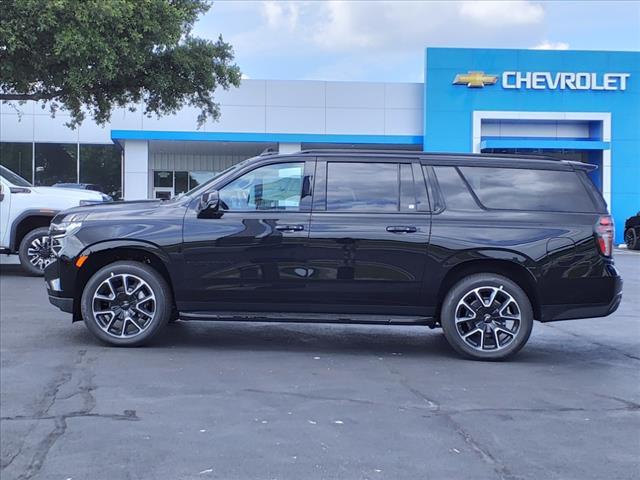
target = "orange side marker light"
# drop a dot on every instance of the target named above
(80, 261)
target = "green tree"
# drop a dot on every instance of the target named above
(99, 54)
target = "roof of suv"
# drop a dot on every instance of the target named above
(495, 159)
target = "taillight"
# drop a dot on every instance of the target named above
(604, 232)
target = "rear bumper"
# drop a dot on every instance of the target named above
(552, 313)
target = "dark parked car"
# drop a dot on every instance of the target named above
(479, 245)
(632, 232)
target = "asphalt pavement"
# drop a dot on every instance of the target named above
(291, 401)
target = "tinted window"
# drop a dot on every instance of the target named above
(455, 191)
(272, 187)
(362, 187)
(523, 189)
(407, 189)
(12, 178)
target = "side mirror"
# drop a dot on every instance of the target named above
(209, 201)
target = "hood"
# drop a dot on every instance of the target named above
(110, 210)
(68, 193)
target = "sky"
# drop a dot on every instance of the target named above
(385, 41)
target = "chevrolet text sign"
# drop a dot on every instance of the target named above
(564, 81)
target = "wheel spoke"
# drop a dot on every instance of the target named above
(472, 332)
(505, 330)
(495, 338)
(493, 296)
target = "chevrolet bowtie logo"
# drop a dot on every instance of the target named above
(475, 79)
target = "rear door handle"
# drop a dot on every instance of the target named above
(401, 229)
(290, 228)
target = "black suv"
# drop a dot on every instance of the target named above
(632, 232)
(480, 245)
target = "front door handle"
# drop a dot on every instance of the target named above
(290, 228)
(401, 229)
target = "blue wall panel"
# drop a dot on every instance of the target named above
(448, 112)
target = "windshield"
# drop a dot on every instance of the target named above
(12, 178)
(205, 186)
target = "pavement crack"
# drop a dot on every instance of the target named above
(500, 468)
(49, 399)
(309, 396)
(42, 450)
(432, 404)
(593, 342)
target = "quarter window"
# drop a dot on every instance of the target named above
(455, 192)
(529, 189)
(362, 187)
(272, 187)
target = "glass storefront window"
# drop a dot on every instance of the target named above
(102, 165)
(182, 182)
(18, 157)
(198, 178)
(56, 163)
(163, 179)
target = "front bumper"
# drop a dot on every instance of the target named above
(64, 304)
(57, 296)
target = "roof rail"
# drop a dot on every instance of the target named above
(360, 150)
(399, 152)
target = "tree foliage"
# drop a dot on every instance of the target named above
(89, 56)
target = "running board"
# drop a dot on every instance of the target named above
(311, 318)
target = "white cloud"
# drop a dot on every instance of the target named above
(402, 25)
(494, 13)
(280, 14)
(546, 45)
(366, 39)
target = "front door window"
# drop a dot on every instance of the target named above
(272, 187)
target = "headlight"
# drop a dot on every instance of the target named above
(67, 225)
(90, 202)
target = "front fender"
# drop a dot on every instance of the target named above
(141, 245)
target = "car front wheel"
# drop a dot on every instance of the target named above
(631, 239)
(126, 303)
(486, 317)
(35, 251)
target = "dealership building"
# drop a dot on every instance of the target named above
(578, 105)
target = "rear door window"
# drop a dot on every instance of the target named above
(528, 189)
(363, 187)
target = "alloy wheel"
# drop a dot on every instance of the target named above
(124, 305)
(630, 238)
(487, 318)
(40, 253)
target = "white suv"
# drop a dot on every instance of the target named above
(25, 214)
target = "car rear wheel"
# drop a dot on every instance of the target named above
(35, 251)
(126, 303)
(631, 239)
(486, 317)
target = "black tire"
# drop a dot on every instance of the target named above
(485, 317)
(155, 283)
(35, 264)
(631, 239)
